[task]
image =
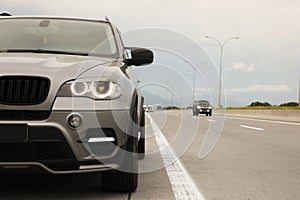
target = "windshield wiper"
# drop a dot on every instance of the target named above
(42, 51)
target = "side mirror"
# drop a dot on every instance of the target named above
(139, 56)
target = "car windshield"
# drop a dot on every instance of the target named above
(203, 103)
(67, 36)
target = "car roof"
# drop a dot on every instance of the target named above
(204, 101)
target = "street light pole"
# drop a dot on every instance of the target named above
(180, 88)
(194, 79)
(299, 93)
(194, 85)
(221, 62)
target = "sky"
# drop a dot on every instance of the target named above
(263, 65)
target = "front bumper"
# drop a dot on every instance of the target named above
(57, 148)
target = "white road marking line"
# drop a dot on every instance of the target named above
(182, 184)
(265, 120)
(251, 127)
(211, 120)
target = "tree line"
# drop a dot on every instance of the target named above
(267, 104)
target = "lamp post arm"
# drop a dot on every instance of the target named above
(218, 41)
(222, 46)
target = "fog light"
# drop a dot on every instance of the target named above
(74, 120)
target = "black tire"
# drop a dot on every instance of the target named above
(210, 113)
(124, 179)
(206, 114)
(141, 146)
(142, 140)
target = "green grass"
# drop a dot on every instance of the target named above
(264, 107)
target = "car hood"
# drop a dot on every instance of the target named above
(49, 64)
(58, 68)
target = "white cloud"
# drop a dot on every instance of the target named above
(239, 66)
(261, 88)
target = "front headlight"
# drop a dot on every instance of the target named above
(102, 89)
(209, 107)
(79, 88)
(95, 90)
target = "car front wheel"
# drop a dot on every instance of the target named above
(142, 142)
(125, 179)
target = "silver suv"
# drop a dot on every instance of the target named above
(67, 103)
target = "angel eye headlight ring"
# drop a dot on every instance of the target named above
(79, 88)
(102, 89)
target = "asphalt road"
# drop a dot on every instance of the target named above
(252, 159)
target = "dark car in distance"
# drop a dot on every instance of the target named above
(202, 107)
